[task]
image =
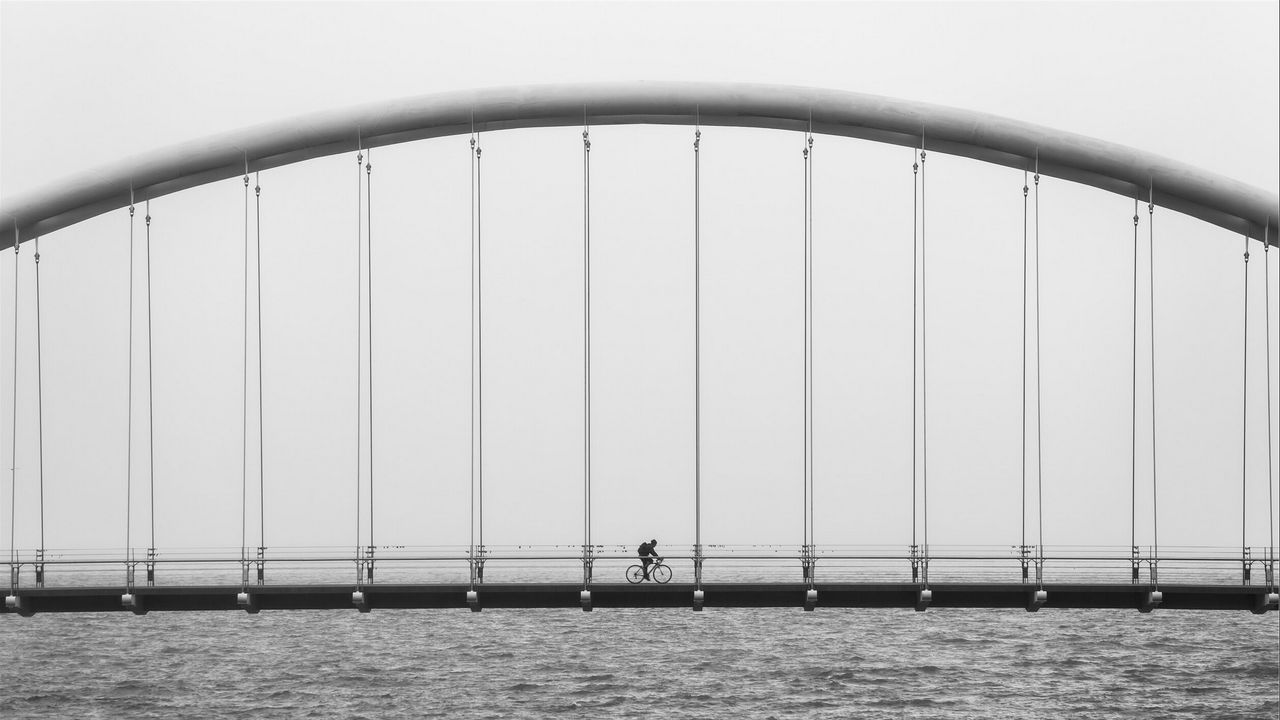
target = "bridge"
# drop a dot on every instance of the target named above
(1020, 570)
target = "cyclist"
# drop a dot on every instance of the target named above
(647, 553)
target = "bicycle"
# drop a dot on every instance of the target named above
(658, 572)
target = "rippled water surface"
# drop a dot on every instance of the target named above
(740, 663)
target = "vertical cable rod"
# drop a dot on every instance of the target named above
(39, 414)
(471, 516)
(1244, 418)
(479, 361)
(924, 373)
(1022, 549)
(13, 444)
(1151, 283)
(151, 409)
(128, 491)
(262, 468)
(586, 352)
(1133, 409)
(808, 351)
(809, 306)
(807, 547)
(1271, 502)
(359, 353)
(368, 197)
(1039, 402)
(697, 348)
(1266, 304)
(805, 390)
(915, 356)
(244, 396)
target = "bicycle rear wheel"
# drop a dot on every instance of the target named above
(661, 573)
(635, 574)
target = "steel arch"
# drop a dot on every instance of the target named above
(988, 138)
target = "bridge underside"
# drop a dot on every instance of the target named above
(497, 596)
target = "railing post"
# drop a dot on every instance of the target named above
(1247, 560)
(697, 565)
(807, 561)
(478, 566)
(40, 567)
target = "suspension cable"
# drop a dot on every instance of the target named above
(472, 497)
(697, 347)
(1133, 404)
(477, 375)
(39, 409)
(808, 353)
(1244, 414)
(1022, 549)
(368, 198)
(128, 502)
(244, 381)
(809, 363)
(479, 360)
(359, 351)
(151, 424)
(1266, 304)
(924, 373)
(1151, 257)
(1039, 421)
(586, 352)
(915, 357)
(262, 511)
(13, 446)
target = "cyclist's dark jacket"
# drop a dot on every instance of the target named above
(647, 549)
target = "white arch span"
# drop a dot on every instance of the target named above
(1215, 199)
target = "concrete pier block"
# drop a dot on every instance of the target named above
(133, 603)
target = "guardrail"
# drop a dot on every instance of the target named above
(608, 563)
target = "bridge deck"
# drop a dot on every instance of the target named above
(611, 595)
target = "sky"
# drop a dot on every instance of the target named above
(85, 85)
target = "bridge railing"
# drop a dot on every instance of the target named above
(609, 563)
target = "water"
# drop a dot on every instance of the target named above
(740, 663)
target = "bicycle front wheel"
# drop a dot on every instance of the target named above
(635, 574)
(660, 573)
